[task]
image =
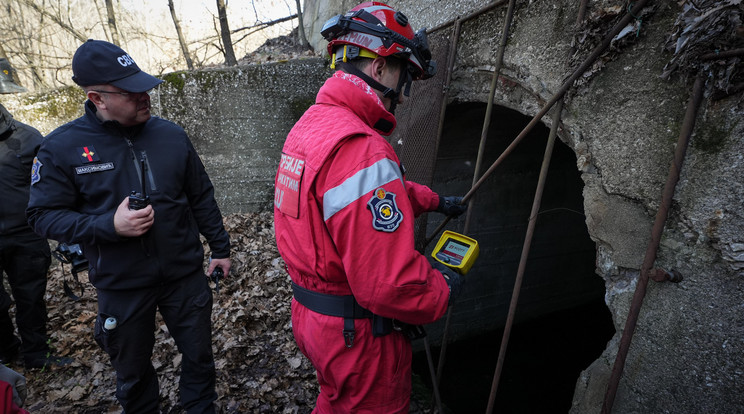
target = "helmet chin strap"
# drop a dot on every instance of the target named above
(390, 93)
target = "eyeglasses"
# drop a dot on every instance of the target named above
(124, 94)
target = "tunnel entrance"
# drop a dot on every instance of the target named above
(561, 321)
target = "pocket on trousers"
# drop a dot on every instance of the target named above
(107, 339)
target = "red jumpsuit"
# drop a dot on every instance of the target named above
(7, 406)
(344, 222)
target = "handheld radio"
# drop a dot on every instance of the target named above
(138, 201)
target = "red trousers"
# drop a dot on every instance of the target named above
(373, 376)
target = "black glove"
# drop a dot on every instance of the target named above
(451, 206)
(453, 279)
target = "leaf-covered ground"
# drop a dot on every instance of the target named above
(259, 367)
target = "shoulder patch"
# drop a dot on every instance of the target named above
(36, 171)
(386, 216)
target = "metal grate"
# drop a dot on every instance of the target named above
(415, 138)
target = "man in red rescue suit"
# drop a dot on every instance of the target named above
(344, 219)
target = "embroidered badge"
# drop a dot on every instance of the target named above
(87, 169)
(287, 185)
(36, 171)
(386, 216)
(88, 154)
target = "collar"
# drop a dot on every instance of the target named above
(351, 92)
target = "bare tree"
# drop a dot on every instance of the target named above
(112, 22)
(41, 36)
(303, 39)
(225, 32)
(181, 39)
(103, 20)
(56, 19)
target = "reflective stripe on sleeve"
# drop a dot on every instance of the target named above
(359, 184)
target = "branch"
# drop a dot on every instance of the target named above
(267, 24)
(79, 36)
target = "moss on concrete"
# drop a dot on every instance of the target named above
(712, 134)
(61, 103)
(176, 80)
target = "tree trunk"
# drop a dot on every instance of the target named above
(112, 22)
(303, 39)
(225, 32)
(104, 26)
(181, 39)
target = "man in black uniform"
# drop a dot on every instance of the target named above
(24, 256)
(144, 251)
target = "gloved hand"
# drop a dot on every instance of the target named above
(453, 279)
(451, 206)
(17, 381)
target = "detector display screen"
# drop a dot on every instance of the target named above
(453, 252)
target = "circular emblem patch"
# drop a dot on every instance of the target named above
(386, 216)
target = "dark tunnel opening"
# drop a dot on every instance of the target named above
(561, 322)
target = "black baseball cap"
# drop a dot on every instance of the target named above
(98, 62)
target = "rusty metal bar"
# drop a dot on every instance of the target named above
(563, 89)
(722, 55)
(656, 232)
(448, 79)
(637, 7)
(435, 376)
(530, 232)
(489, 106)
(481, 150)
(731, 90)
(525, 254)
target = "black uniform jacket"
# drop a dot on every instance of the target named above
(85, 169)
(18, 146)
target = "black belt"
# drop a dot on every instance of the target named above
(343, 306)
(333, 305)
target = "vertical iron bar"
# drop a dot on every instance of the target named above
(530, 231)
(656, 232)
(489, 106)
(525, 253)
(435, 388)
(435, 376)
(484, 135)
(637, 7)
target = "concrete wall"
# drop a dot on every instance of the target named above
(237, 119)
(621, 120)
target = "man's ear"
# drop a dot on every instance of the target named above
(378, 68)
(95, 97)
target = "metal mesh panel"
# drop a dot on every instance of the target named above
(415, 138)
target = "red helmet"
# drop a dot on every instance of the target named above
(376, 27)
